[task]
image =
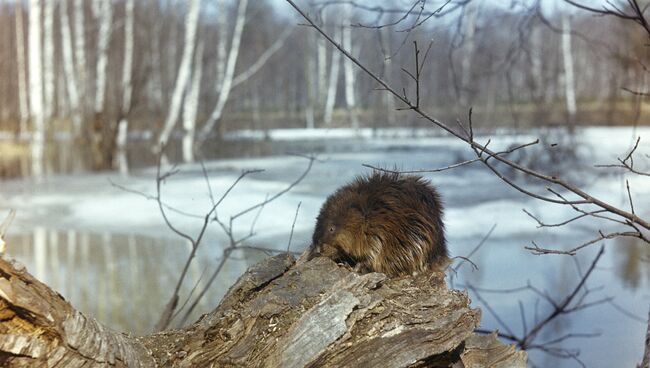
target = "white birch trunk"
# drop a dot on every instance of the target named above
(569, 83)
(222, 39)
(321, 49)
(127, 89)
(310, 85)
(36, 87)
(468, 51)
(350, 98)
(155, 83)
(105, 15)
(262, 59)
(536, 61)
(68, 68)
(322, 69)
(333, 81)
(48, 59)
(184, 71)
(224, 93)
(389, 101)
(192, 106)
(80, 52)
(22, 72)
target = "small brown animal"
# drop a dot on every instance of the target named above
(383, 222)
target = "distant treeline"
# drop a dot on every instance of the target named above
(84, 66)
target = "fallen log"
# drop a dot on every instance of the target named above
(280, 313)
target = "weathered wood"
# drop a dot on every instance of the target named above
(38, 328)
(278, 314)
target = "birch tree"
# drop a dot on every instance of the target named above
(569, 83)
(127, 88)
(22, 72)
(467, 55)
(222, 40)
(80, 51)
(184, 71)
(536, 62)
(191, 106)
(350, 98)
(333, 81)
(48, 59)
(105, 15)
(321, 47)
(71, 81)
(226, 85)
(310, 77)
(388, 101)
(36, 87)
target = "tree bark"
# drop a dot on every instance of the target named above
(105, 14)
(36, 87)
(121, 138)
(330, 102)
(569, 82)
(191, 107)
(226, 81)
(22, 71)
(80, 55)
(184, 71)
(68, 68)
(48, 59)
(350, 92)
(278, 314)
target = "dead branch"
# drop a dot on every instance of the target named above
(486, 155)
(573, 302)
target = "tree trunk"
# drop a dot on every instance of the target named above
(48, 59)
(184, 71)
(192, 106)
(105, 15)
(80, 55)
(226, 84)
(569, 83)
(222, 40)
(71, 80)
(22, 70)
(310, 85)
(36, 87)
(278, 314)
(350, 98)
(127, 89)
(333, 82)
(467, 55)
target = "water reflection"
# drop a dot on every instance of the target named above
(633, 266)
(122, 280)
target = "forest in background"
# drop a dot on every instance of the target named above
(104, 70)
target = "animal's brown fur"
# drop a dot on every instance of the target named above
(383, 222)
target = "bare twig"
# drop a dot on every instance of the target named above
(235, 242)
(483, 153)
(571, 303)
(293, 224)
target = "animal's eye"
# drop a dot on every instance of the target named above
(331, 229)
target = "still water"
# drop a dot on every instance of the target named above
(110, 254)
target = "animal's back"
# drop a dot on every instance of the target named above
(383, 222)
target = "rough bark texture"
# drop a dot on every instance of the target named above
(278, 314)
